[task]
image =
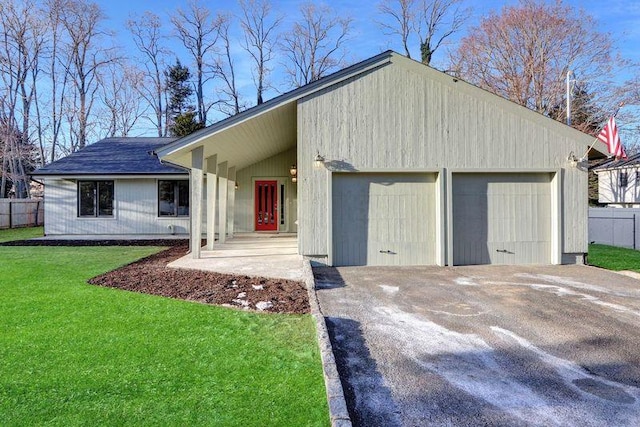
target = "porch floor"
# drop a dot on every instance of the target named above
(251, 254)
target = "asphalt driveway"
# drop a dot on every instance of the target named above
(485, 345)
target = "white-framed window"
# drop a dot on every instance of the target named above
(173, 197)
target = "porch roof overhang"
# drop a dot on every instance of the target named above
(262, 131)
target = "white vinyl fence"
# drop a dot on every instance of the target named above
(615, 227)
(21, 213)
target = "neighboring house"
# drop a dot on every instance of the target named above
(395, 164)
(619, 182)
(116, 186)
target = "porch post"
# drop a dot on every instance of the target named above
(197, 177)
(223, 189)
(232, 200)
(212, 189)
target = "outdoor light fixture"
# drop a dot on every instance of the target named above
(236, 186)
(293, 170)
(580, 164)
(572, 159)
(318, 161)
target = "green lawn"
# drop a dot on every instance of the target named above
(75, 354)
(20, 233)
(614, 258)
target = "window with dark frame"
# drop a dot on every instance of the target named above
(623, 179)
(95, 199)
(173, 197)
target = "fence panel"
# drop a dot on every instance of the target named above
(21, 213)
(615, 227)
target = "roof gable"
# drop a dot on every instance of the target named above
(220, 137)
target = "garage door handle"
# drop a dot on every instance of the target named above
(388, 252)
(504, 251)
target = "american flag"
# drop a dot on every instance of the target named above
(609, 135)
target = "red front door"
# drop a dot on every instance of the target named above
(266, 205)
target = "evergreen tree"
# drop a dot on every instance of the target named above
(182, 118)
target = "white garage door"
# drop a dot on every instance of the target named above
(383, 219)
(501, 218)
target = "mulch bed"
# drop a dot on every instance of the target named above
(112, 242)
(151, 275)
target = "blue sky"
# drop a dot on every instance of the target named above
(621, 18)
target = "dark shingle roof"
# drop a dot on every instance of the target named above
(114, 156)
(612, 163)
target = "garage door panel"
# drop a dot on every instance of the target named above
(511, 219)
(395, 219)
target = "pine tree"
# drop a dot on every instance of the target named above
(182, 117)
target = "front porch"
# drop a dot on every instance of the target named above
(272, 255)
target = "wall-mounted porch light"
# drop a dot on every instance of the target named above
(293, 171)
(236, 186)
(318, 161)
(580, 164)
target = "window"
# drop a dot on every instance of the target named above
(173, 198)
(95, 199)
(623, 179)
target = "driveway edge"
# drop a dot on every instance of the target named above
(338, 412)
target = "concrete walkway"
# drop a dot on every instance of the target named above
(258, 255)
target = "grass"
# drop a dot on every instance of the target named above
(75, 354)
(20, 233)
(614, 258)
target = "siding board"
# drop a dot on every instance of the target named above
(274, 167)
(406, 116)
(135, 210)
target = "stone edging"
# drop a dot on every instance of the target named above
(335, 395)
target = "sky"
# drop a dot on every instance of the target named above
(621, 18)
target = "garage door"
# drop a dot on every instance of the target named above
(383, 219)
(501, 218)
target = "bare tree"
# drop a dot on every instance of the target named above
(21, 41)
(229, 100)
(120, 98)
(81, 22)
(525, 52)
(57, 80)
(199, 31)
(431, 22)
(147, 36)
(260, 39)
(403, 16)
(315, 45)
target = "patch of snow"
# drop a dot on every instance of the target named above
(568, 370)
(563, 291)
(465, 281)
(242, 295)
(470, 364)
(258, 287)
(264, 305)
(558, 280)
(389, 289)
